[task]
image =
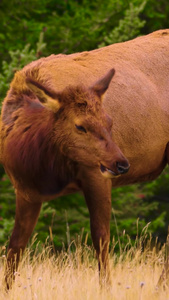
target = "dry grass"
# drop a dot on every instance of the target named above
(68, 275)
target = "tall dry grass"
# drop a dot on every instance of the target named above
(74, 274)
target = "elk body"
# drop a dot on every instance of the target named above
(65, 127)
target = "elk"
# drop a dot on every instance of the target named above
(65, 127)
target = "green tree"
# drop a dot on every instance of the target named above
(18, 59)
(68, 26)
(156, 14)
(128, 27)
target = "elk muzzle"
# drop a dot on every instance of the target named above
(122, 168)
(115, 169)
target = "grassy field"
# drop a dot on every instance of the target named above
(74, 275)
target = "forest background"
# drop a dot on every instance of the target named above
(35, 28)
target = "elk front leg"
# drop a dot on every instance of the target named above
(97, 191)
(25, 220)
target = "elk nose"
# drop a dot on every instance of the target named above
(122, 168)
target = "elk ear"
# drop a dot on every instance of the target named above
(45, 95)
(102, 85)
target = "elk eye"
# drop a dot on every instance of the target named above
(80, 128)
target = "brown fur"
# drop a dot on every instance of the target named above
(58, 134)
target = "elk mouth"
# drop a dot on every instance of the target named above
(106, 172)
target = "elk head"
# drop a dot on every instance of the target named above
(82, 129)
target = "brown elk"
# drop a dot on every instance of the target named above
(63, 129)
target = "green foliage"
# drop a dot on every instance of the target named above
(68, 26)
(7, 209)
(18, 59)
(128, 27)
(72, 26)
(156, 14)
